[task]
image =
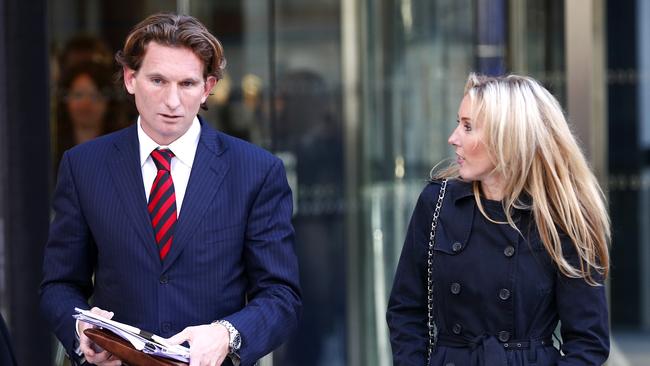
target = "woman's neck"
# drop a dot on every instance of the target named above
(86, 134)
(492, 187)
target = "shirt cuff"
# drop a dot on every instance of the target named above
(78, 358)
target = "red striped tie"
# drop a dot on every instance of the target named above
(162, 201)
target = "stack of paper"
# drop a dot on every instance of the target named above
(141, 340)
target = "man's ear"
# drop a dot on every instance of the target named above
(210, 82)
(129, 79)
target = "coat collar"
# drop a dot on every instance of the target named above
(463, 190)
(460, 190)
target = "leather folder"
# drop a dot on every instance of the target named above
(123, 350)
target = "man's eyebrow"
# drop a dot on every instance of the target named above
(155, 74)
(190, 78)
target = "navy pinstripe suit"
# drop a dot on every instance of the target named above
(232, 257)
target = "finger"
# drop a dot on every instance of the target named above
(102, 312)
(86, 346)
(99, 357)
(181, 337)
(86, 350)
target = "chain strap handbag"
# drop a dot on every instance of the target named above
(431, 325)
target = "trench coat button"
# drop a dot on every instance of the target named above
(456, 247)
(509, 251)
(457, 328)
(504, 294)
(455, 288)
(504, 336)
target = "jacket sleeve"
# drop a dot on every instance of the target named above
(274, 299)
(406, 314)
(68, 262)
(584, 318)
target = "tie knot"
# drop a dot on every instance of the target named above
(162, 158)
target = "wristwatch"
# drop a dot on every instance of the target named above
(235, 339)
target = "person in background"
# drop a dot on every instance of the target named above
(87, 106)
(169, 225)
(519, 245)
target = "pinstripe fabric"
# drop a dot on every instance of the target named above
(232, 257)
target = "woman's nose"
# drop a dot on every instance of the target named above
(453, 139)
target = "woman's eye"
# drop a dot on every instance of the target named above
(467, 127)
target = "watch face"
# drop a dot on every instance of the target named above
(236, 343)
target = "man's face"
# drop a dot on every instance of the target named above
(169, 89)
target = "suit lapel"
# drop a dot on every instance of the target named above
(208, 171)
(127, 175)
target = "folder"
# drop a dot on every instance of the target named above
(133, 342)
(123, 350)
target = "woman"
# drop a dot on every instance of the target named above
(520, 243)
(87, 106)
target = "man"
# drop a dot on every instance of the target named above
(186, 230)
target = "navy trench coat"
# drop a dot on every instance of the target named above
(498, 296)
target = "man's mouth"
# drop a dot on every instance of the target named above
(170, 116)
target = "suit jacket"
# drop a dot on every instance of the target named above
(232, 256)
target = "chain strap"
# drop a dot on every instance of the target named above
(431, 325)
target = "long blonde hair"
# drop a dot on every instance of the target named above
(533, 149)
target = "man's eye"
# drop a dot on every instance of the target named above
(187, 84)
(156, 81)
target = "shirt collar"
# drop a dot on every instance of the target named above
(184, 148)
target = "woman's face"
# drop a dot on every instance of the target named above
(468, 140)
(86, 105)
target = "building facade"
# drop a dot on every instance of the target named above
(358, 98)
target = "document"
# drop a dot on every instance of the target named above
(142, 341)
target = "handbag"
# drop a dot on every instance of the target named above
(431, 325)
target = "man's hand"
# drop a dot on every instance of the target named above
(93, 353)
(208, 344)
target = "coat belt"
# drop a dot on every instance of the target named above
(488, 350)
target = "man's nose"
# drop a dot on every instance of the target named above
(173, 98)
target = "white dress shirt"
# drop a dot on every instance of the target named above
(184, 149)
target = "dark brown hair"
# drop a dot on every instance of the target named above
(175, 31)
(101, 76)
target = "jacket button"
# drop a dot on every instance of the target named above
(504, 336)
(166, 327)
(504, 294)
(456, 247)
(164, 280)
(455, 288)
(509, 251)
(457, 328)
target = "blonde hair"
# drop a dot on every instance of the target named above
(533, 149)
